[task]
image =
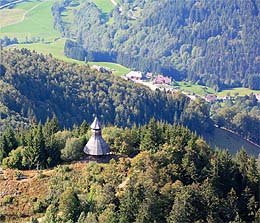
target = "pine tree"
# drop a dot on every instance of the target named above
(8, 141)
(83, 129)
(151, 138)
(35, 153)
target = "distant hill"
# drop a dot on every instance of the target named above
(34, 87)
(216, 42)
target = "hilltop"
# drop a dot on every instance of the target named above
(174, 176)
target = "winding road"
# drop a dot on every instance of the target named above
(11, 3)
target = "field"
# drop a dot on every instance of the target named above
(203, 90)
(117, 69)
(227, 140)
(57, 50)
(106, 6)
(35, 22)
(239, 91)
(10, 16)
(194, 88)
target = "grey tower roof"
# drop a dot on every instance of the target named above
(96, 145)
(96, 124)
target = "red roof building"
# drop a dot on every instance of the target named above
(160, 79)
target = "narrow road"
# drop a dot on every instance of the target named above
(11, 3)
(113, 2)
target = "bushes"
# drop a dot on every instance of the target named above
(73, 149)
(14, 160)
(8, 200)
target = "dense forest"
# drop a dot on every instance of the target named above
(34, 87)
(74, 93)
(239, 114)
(209, 42)
(173, 177)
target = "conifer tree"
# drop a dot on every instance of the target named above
(35, 153)
(83, 129)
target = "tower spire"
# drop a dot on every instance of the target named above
(96, 145)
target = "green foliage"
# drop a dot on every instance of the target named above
(189, 206)
(69, 205)
(239, 114)
(73, 150)
(69, 90)
(207, 43)
(8, 141)
(83, 129)
(35, 153)
(8, 200)
(51, 214)
(180, 181)
(14, 160)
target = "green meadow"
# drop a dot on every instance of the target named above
(117, 69)
(36, 22)
(106, 6)
(57, 50)
(240, 91)
(194, 88)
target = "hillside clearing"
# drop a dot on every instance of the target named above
(10, 16)
(57, 50)
(117, 69)
(194, 88)
(105, 6)
(240, 91)
(37, 23)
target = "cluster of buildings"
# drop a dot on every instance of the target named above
(160, 81)
(139, 76)
(101, 69)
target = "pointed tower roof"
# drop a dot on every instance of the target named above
(96, 124)
(96, 145)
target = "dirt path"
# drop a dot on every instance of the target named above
(113, 2)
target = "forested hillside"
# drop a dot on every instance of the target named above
(175, 177)
(34, 87)
(216, 43)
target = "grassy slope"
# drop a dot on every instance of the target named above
(117, 69)
(10, 16)
(57, 50)
(241, 91)
(105, 6)
(26, 192)
(23, 194)
(227, 140)
(198, 89)
(38, 22)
